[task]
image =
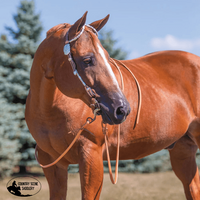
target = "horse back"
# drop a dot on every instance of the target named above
(177, 72)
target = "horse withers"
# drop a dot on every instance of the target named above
(66, 86)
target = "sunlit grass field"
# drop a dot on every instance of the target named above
(154, 186)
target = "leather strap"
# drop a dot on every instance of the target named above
(104, 127)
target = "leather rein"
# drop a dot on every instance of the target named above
(89, 120)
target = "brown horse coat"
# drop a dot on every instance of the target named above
(57, 106)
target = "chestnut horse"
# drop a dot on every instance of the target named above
(58, 106)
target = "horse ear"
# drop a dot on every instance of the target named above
(98, 25)
(76, 27)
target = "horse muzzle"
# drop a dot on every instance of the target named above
(116, 112)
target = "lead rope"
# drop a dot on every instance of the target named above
(105, 129)
(108, 155)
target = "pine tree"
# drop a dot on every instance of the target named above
(106, 39)
(15, 63)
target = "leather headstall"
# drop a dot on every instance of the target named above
(67, 51)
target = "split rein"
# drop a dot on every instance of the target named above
(118, 131)
(89, 120)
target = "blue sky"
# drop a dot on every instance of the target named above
(140, 26)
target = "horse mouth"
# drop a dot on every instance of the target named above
(107, 119)
(114, 112)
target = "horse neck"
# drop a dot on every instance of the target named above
(48, 93)
(43, 91)
(48, 99)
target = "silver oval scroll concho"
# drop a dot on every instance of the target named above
(66, 49)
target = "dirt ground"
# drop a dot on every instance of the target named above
(155, 186)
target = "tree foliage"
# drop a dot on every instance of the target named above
(109, 43)
(16, 143)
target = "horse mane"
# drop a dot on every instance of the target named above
(56, 28)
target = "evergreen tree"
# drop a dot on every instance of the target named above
(106, 39)
(15, 63)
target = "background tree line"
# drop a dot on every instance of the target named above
(16, 143)
(16, 56)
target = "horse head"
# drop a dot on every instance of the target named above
(87, 58)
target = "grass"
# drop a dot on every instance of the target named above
(154, 186)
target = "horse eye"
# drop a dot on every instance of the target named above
(87, 61)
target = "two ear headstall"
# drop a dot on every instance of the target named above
(67, 51)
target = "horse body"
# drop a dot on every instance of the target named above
(169, 102)
(57, 106)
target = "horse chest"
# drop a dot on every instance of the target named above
(152, 134)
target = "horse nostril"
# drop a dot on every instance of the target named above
(120, 111)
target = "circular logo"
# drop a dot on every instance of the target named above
(24, 186)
